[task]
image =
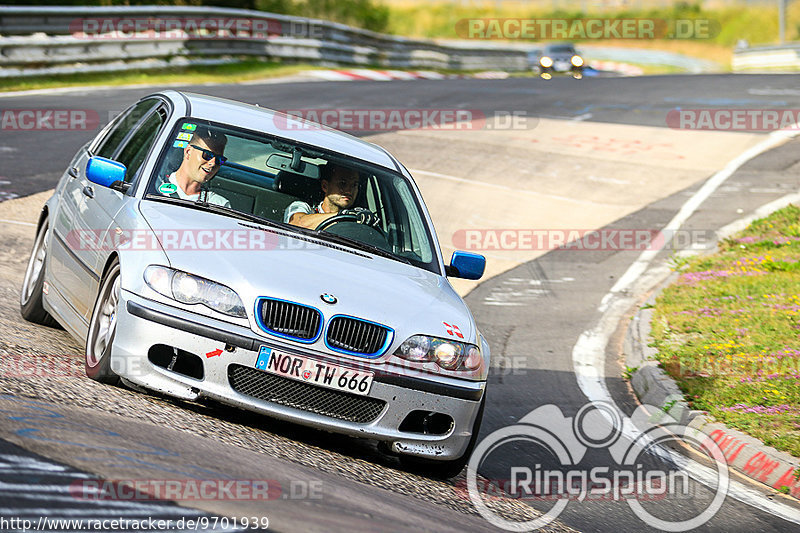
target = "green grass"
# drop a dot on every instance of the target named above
(756, 24)
(418, 18)
(223, 73)
(729, 331)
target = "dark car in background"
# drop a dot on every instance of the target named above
(557, 58)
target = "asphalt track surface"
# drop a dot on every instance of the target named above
(33, 159)
(535, 333)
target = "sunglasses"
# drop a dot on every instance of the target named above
(208, 155)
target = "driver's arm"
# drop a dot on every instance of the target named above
(309, 220)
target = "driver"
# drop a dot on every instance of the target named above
(340, 188)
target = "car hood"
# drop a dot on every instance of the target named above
(256, 260)
(561, 56)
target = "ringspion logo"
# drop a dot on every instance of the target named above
(543, 455)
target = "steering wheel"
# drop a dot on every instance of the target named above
(346, 217)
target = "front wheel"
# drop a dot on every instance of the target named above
(31, 304)
(103, 327)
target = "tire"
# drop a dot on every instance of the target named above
(31, 304)
(446, 469)
(103, 328)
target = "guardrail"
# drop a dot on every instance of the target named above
(41, 40)
(764, 58)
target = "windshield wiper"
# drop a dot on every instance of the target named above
(219, 209)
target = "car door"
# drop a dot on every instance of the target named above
(101, 204)
(73, 252)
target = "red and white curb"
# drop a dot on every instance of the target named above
(625, 69)
(752, 457)
(359, 74)
(743, 453)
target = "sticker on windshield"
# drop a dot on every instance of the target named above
(184, 136)
(180, 144)
(189, 127)
(167, 188)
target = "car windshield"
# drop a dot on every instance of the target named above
(561, 49)
(269, 177)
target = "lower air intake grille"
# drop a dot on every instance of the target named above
(291, 393)
(357, 336)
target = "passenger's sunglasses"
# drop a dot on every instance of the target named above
(208, 155)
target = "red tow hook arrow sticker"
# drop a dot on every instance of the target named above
(214, 353)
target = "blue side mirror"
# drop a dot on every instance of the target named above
(104, 171)
(467, 265)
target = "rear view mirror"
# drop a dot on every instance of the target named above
(104, 171)
(466, 265)
(282, 162)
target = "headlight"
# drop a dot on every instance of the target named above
(190, 289)
(446, 353)
(546, 62)
(577, 61)
(416, 348)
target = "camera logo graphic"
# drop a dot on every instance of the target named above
(601, 429)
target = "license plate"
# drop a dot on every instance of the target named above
(314, 372)
(561, 66)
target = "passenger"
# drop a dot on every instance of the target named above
(201, 161)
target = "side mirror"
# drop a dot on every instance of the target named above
(106, 172)
(466, 265)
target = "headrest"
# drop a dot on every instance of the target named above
(298, 185)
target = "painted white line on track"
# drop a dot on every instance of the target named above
(687, 209)
(4, 221)
(589, 352)
(761, 212)
(505, 188)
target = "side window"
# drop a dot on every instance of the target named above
(417, 236)
(108, 146)
(139, 143)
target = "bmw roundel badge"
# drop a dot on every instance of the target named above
(328, 298)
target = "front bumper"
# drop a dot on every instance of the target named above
(227, 354)
(561, 69)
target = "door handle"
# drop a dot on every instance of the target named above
(88, 191)
(73, 172)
